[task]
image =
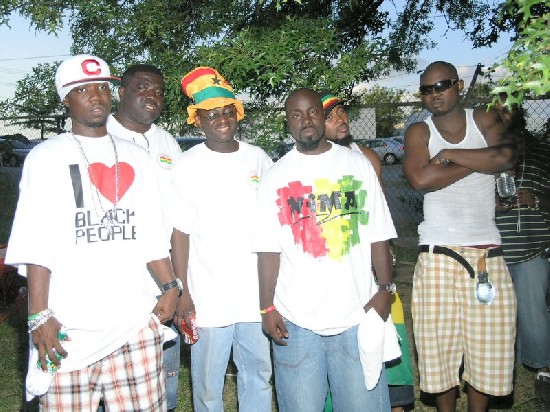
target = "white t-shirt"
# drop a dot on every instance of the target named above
(322, 213)
(164, 150)
(99, 284)
(470, 201)
(216, 207)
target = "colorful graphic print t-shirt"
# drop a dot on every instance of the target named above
(322, 213)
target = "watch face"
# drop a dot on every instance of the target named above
(176, 283)
(390, 287)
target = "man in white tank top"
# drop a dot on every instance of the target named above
(459, 315)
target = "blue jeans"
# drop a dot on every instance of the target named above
(209, 359)
(531, 280)
(171, 366)
(311, 363)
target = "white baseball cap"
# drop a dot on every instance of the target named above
(81, 69)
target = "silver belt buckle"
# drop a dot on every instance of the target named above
(484, 289)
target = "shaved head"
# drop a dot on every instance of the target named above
(449, 68)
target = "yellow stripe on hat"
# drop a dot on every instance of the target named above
(208, 90)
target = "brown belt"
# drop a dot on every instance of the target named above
(442, 250)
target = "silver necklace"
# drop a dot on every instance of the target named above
(518, 225)
(108, 216)
(146, 140)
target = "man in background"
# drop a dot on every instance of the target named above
(337, 129)
(524, 225)
(141, 96)
(400, 371)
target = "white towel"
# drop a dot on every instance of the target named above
(38, 382)
(378, 343)
(167, 333)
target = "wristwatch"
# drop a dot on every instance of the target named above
(176, 283)
(388, 287)
(442, 160)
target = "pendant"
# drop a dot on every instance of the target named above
(109, 222)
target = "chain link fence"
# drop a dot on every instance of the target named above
(366, 122)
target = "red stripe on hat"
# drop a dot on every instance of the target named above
(330, 101)
(195, 74)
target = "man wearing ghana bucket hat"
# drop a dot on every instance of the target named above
(216, 184)
(95, 325)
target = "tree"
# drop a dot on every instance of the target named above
(360, 38)
(264, 48)
(528, 62)
(387, 118)
(35, 100)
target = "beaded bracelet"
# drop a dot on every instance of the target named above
(38, 319)
(32, 317)
(267, 310)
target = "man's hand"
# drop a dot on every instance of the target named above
(525, 198)
(47, 342)
(381, 302)
(185, 310)
(166, 305)
(274, 325)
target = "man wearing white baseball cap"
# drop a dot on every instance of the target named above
(84, 233)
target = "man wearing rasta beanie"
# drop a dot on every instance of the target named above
(216, 186)
(400, 373)
(337, 129)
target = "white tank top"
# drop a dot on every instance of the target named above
(463, 213)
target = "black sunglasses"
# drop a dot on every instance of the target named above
(439, 87)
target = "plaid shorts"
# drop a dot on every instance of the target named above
(129, 379)
(451, 326)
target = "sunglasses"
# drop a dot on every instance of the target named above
(439, 87)
(227, 113)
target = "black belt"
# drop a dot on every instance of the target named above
(441, 250)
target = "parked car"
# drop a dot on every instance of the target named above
(389, 150)
(187, 143)
(398, 139)
(14, 152)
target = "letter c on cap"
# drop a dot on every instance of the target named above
(91, 67)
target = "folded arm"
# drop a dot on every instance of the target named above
(425, 173)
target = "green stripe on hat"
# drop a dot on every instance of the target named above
(212, 92)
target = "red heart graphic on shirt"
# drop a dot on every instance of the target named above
(104, 178)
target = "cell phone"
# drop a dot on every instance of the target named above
(190, 334)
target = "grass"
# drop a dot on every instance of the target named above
(8, 201)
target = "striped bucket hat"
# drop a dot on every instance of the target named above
(208, 90)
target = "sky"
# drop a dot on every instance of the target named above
(21, 48)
